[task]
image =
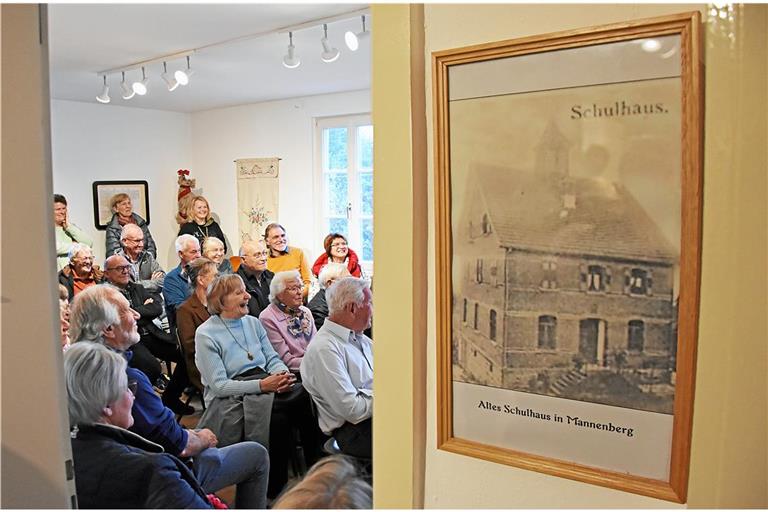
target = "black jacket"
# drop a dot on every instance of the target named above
(211, 228)
(113, 235)
(115, 468)
(259, 290)
(319, 308)
(137, 295)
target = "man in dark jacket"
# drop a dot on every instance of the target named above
(102, 315)
(117, 271)
(253, 270)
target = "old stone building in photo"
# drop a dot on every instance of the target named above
(557, 276)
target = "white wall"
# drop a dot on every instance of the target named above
(103, 142)
(93, 142)
(278, 128)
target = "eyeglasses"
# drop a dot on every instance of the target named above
(259, 254)
(133, 386)
(339, 244)
(293, 289)
(133, 240)
(122, 268)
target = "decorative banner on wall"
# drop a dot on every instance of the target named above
(257, 195)
(568, 233)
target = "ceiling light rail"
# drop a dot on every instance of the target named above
(181, 76)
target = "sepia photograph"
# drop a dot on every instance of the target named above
(566, 239)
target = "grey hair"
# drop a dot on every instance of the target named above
(250, 244)
(280, 283)
(183, 240)
(332, 271)
(76, 249)
(92, 311)
(211, 240)
(348, 290)
(95, 378)
(127, 229)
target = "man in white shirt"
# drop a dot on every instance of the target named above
(337, 368)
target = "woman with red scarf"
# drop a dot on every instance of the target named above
(337, 251)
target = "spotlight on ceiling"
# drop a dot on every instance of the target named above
(103, 97)
(183, 76)
(291, 60)
(330, 53)
(127, 91)
(170, 81)
(353, 40)
(140, 88)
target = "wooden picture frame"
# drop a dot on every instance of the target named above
(568, 191)
(103, 191)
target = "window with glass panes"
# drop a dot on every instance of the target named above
(346, 175)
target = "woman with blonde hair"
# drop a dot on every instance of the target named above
(333, 483)
(200, 224)
(214, 250)
(123, 214)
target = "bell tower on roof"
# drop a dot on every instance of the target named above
(552, 152)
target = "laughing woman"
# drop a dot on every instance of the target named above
(201, 225)
(245, 380)
(337, 251)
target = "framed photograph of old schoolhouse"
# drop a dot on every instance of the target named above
(568, 235)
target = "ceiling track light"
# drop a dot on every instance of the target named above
(291, 60)
(353, 40)
(103, 97)
(127, 90)
(169, 80)
(140, 88)
(182, 76)
(330, 53)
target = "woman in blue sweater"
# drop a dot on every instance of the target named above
(236, 359)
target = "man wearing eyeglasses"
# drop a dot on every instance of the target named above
(102, 315)
(253, 270)
(117, 271)
(145, 269)
(81, 272)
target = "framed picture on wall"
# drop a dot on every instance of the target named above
(568, 235)
(104, 191)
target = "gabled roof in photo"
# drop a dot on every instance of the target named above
(571, 215)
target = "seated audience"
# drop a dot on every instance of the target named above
(337, 369)
(102, 315)
(200, 224)
(145, 269)
(253, 271)
(288, 323)
(123, 214)
(332, 483)
(81, 272)
(177, 287)
(282, 257)
(159, 343)
(213, 249)
(331, 273)
(115, 468)
(337, 251)
(63, 317)
(67, 233)
(193, 312)
(248, 390)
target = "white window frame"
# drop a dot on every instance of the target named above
(351, 122)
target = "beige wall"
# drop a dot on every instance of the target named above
(728, 467)
(35, 444)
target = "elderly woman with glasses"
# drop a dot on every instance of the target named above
(214, 250)
(248, 390)
(81, 272)
(337, 251)
(289, 324)
(123, 214)
(115, 468)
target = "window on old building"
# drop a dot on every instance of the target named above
(547, 332)
(636, 335)
(486, 224)
(596, 278)
(637, 281)
(477, 314)
(464, 313)
(492, 325)
(549, 277)
(479, 271)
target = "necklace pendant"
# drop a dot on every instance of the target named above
(250, 356)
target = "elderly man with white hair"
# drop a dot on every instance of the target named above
(80, 273)
(145, 270)
(337, 368)
(103, 315)
(177, 287)
(253, 271)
